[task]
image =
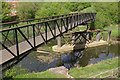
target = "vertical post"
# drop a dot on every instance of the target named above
(28, 30)
(81, 18)
(98, 36)
(54, 27)
(77, 19)
(109, 35)
(88, 17)
(71, 22)
(34, 35)
(17, 47)
(102, 36)
(67, 23)
(13, 33)
(59, 41)
(61, 25)
(87, 26)
(45, 31)
(74, 20)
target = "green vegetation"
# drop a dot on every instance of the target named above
(101, 69)
(88, 10)
(27, 10)
(76, 6)
(11, 73)
(18, 72)
(51, 9)
(114, 29)
(6, 9)
(107, 14)
(45, 74)
(94, 69)
(30, 10)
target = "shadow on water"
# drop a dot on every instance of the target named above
(37, 62)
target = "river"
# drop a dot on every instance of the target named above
(37, 62)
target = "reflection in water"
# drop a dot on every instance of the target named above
(36, 62)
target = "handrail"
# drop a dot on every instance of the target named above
(39, 23)
(16, 22)
(97, 30)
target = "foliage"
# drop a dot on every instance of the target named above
(76, 6)
(106, 14)
(27, 10)
(6, 10)
(0, 12)
(51, 9)
(83, 5)
(88, 10)
(11, 73)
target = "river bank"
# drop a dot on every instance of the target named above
(106, 68)
(97, 70)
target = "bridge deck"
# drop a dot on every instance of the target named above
(24, 46)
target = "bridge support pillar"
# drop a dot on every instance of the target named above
(73, 38)
(59, 41)
(87, 35)
(109, 34)
(98, 36)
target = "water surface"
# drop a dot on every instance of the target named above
(37, 62)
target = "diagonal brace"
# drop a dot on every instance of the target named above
(25, 37)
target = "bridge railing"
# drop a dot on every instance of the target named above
(29, 21)
(31, 33)
(100, 34)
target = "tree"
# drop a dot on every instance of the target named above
(107, 13)
(27, 10)
(51, 9)
(76, 6)
(0, 12)
(6, 10)
(83, 5)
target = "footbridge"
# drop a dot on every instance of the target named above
(20, 39)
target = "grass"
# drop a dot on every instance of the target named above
(88, 10)
(93, 69)
(114, 30)
(45, 74)
(18, 72)
(11, 73)
(110, 74)
(81, 28)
